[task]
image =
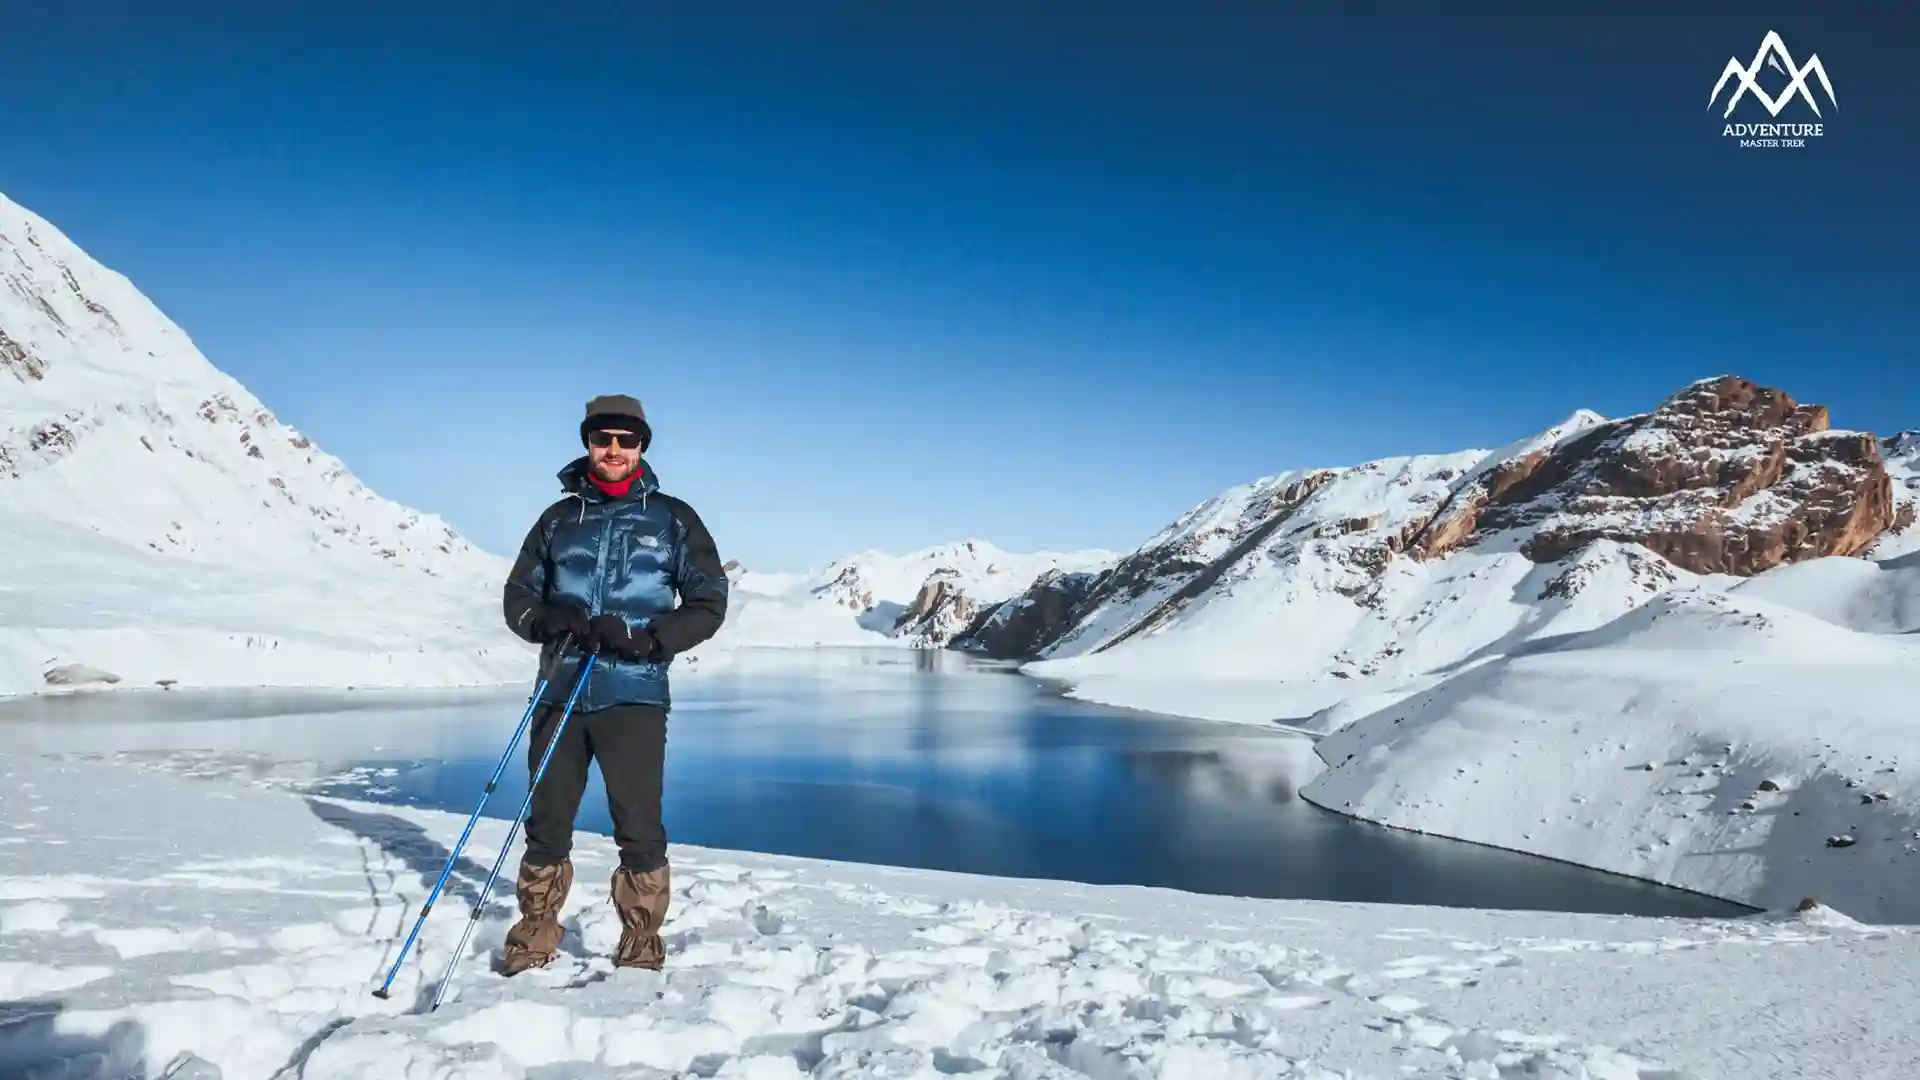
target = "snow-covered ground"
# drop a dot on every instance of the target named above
(157, 925)
(1708, 740)
(72, 596)
(1716, 737)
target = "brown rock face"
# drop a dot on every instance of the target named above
(1724, 477)
(938, 610)
(1016, 629)
(1457, 521)
(1148, 568)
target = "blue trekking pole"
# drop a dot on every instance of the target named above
(452, 858)
(480, 905)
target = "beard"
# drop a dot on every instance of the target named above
(611, 474)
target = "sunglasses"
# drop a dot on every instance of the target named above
(628, 440)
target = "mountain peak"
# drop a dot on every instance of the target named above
(67, 323)
(164, 526)
(113, 422)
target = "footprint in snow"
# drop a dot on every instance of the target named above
(1416, 1029)
(766, 922)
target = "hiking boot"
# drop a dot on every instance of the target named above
(533, 940)
(641, 900)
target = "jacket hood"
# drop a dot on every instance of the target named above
(574, 480)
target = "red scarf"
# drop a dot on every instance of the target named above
(615, 491)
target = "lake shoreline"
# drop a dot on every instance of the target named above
(907, 758)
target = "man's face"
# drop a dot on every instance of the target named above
(613, 453)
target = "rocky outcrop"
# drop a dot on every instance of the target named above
(18, 362)
(78, 675)
(1016, 629)
(1724, 477)
(1457, 521)
(847, 589)
(1189, 561)
(940, 610)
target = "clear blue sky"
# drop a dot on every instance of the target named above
(890, 274)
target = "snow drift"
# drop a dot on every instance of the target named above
(1711, 740)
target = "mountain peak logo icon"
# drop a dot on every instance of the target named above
(1773, 53)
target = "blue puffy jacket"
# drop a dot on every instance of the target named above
(630, 556)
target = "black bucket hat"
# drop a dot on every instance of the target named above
(617, 411)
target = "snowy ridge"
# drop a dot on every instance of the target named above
(922, 599)
(169, 526)
(1493, 475)
(112, 420)
(1285, 597)
(251, 957)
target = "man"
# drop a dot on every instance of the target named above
(604, 564)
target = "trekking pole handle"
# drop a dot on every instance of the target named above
(560, 652)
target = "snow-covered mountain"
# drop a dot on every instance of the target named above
(164, 524)
(1691, 631)
(1286, 596)
(922, 599)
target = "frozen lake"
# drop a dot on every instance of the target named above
(883, 756)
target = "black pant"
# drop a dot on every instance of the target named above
(630, 742)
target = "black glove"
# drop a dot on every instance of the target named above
(557, 619)
(611, 634)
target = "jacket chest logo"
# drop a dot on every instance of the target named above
(646, 540)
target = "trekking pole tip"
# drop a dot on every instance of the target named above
(382, 993)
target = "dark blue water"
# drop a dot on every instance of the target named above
(908, 759)
(927, 760)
